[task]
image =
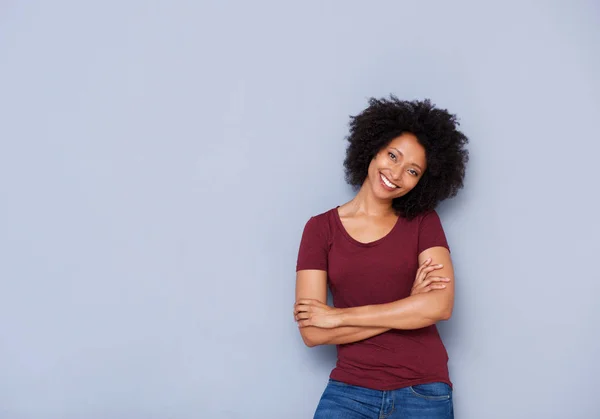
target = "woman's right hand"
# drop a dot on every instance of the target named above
(424, 283)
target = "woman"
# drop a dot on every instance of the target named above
(385, 258)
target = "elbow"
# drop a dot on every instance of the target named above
(435, 310)
(310, 343)
(309, 339)
(445, 314)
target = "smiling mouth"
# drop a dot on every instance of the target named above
(387, 182)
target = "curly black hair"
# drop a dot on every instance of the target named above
(436, 130)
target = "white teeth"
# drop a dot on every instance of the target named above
(387, 182)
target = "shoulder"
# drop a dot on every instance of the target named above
(323, 218)
(429, 221)
(315, 243)
(321, 223)
(431, 233)
(428, 216)
(424, 218)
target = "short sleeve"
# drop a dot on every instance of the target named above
(314, 249)
(431, 233)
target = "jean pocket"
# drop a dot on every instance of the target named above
(432, 391)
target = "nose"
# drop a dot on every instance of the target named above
(397, 173)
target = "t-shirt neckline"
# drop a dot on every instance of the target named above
(338, 220)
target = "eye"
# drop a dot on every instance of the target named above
(413, 172)
(392, 155)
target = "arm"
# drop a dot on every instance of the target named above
(313, 284)
(413, 312)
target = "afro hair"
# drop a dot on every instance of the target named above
(436, 130)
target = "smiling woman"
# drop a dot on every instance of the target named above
(385, 257)
(399, 166)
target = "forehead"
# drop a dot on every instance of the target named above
(408, 144)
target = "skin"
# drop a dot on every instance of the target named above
(368, 217)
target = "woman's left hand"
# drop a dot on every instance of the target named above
(308, 312)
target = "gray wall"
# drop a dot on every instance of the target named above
(158, 162)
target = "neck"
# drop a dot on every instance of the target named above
(367, 203)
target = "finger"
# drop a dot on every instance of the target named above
(307, 301)
(426, 262)
(304, 323)
(438, 278)
(302, 309)
(302, 316)
(429, 281)
(432, 268)
(421, 276)
(423, 265)
(306, 306)
(425, 272)
(428, 270)
(434, 287)
(424, 284)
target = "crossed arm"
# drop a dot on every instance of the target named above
(431, 300)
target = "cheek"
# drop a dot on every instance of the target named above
(383, 162)
(377, 164)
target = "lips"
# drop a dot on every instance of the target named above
(385, 182)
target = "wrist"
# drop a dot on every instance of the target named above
(344, 316)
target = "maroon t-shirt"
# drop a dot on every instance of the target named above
(379, 272)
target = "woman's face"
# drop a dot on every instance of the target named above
(397, 168)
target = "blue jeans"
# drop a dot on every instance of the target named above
(423, 401)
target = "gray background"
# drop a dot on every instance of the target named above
(158, 162)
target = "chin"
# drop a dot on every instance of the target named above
(381, 193)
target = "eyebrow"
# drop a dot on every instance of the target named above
(414, 164)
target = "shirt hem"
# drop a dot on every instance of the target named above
(393, 385)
